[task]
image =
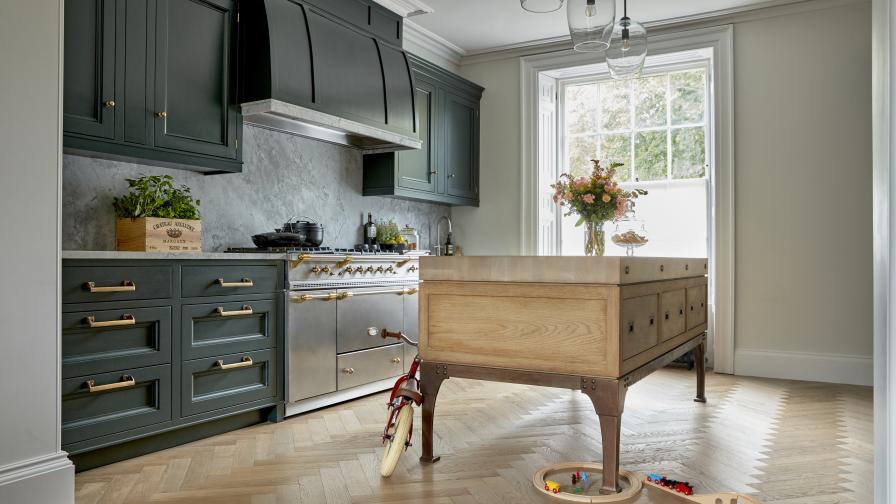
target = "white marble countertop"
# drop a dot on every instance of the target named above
(114, 254)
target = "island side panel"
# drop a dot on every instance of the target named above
(553, 328)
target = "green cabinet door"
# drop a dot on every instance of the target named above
(417, 168)
(89, 91)
(193, 109)
(461, 145)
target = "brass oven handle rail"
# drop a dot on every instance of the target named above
(246, 361)
(246, 310)
(126, 320)
(308, 297)
(245, 282)
(126, 381)
(334, 296)
(126, 286)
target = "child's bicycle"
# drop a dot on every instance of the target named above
(399, 426)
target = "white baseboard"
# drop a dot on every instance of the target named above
(49, 479)
(830, 368)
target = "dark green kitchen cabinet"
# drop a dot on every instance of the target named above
(153, 81)
(446, 168)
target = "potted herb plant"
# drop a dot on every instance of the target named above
(157, 216)
(389, 237)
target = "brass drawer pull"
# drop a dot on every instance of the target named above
(246, 361)
(396, 360)
(126, 286)
(348, 370)
(125, 320)
(247, 310)
(245, 282)
(126, 381)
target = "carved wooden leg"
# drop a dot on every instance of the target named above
(608, 397)
(699, 359)
(431, 377)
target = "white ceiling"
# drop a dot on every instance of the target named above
(479, 25)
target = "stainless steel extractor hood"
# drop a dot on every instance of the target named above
(306, 72)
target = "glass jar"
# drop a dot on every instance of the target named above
(411, 238)
(630, 232)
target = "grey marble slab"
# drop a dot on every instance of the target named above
(114, 254)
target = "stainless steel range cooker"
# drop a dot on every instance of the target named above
(339, 302)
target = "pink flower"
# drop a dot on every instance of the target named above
(588, 198)
(620, 207)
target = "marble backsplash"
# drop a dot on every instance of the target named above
(283, 176)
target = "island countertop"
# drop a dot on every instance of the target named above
(171, 256)
(561, 269)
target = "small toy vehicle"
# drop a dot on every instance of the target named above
(552, 486)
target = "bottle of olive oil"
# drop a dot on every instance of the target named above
(369, 231)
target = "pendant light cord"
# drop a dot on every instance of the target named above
(625, 8)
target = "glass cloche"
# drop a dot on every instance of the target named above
(630, 232)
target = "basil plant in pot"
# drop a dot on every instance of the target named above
(157, 216)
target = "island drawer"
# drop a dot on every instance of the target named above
(638, 325)
(230, 279)
(367, 366)
(227, 380)
(101, 404)
(212, 329)
(89, 284)
(109, 340)
(672, 314)
(696, 306)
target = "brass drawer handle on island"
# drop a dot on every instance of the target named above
(245, 282)
(246, 310)
(126, 382)
(125, 320)
(246, 361)
(126, 286)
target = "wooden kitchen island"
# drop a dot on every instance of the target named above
(595, 324)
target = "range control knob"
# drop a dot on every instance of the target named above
(359, 269)
(412, 268)
(325, 269)
(315, 270)
(390, 269)
(380, 269)
(370, 269)
(347, 271)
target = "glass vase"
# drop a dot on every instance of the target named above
(594, 238)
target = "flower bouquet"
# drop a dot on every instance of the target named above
(596, 199)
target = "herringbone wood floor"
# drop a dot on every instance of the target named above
(785, 442)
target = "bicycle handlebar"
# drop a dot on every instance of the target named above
(397, 335)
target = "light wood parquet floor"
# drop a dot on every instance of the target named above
(782, 441)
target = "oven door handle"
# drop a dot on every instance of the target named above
(400, 292)
(301, 298)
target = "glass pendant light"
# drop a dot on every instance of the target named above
(588, 23)
(627, 47)
(541, 5)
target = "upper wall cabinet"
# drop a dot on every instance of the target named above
(153, 81)
(446, 168)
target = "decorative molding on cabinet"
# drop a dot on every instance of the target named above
(442, 47)
(406, 8)
(830, 368)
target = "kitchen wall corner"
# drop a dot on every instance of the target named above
(283, 176)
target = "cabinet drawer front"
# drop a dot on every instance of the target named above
(366, 366)
(86, 415)
(207, 386)
(672, 314)
(210, 329)
(639, 325)
(696, 306)
(226, 280)
(115, 283)
(359, 320)
(119, 339)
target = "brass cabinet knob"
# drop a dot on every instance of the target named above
(348, 370)
(396, 360)
(109, 103)
(162, 114)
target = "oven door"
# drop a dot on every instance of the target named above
(312, 344)
(363, 313)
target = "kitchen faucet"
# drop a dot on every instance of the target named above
(449, 247)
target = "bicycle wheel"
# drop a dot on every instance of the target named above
(395, 446)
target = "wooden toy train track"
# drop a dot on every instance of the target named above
(636, 488)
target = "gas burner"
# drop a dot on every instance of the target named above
(283, 250)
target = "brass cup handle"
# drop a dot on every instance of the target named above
(125, 320)
(246, 310)
(348, 370)
(246, 361)
(245, 282)
(162, 114)
(126, 286)
(396, 360)
(125, 382)
(109, 103)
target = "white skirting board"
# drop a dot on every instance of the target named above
(49, 479)
(830, 368)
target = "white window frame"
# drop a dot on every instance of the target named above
(537, 73)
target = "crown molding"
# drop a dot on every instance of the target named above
(440, 46)
(406, 8)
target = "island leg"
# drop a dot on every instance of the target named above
(431, 377)
(608, 398)
(699, 359)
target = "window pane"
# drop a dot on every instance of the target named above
(688, 96)
(650, 155)
(617, 149)
(615, 108)
(688, 153)
(581, 108)
(580, 152)
(650, 101)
